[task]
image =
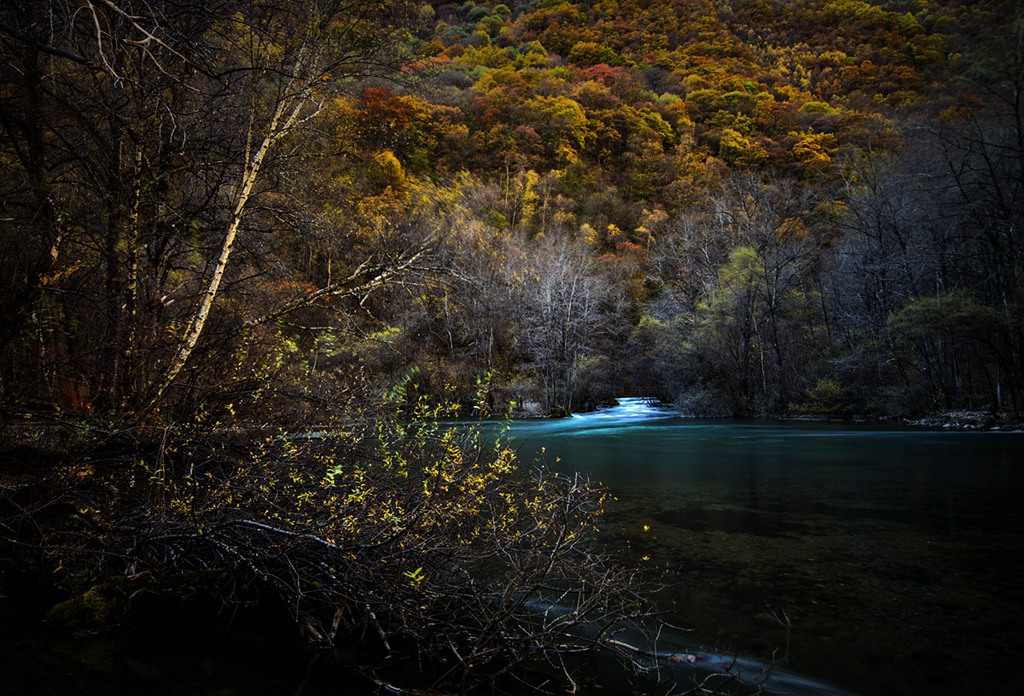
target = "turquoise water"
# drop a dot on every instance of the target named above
(895, 553)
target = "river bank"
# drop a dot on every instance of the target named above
(970, 420)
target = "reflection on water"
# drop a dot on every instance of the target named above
(896, 553)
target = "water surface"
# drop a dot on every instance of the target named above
(895, 553)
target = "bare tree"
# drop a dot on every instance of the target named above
(563, 304)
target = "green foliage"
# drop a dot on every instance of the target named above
(828, 396)
(955, 312)
(816, 107)
(588, 53)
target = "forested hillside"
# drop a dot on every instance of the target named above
(758, 207)
(229, 224)
(755, 207)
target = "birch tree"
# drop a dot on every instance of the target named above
(140, 140)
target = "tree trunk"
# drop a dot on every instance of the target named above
(285, 116)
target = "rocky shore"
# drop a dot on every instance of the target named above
(970, 420)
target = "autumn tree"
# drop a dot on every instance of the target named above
(144, 141)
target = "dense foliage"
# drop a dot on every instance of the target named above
(749, 208)
(774, 206)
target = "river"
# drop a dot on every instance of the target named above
(894, 554)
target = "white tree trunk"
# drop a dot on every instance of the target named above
(285, 116)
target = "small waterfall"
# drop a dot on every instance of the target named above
(629, 408)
